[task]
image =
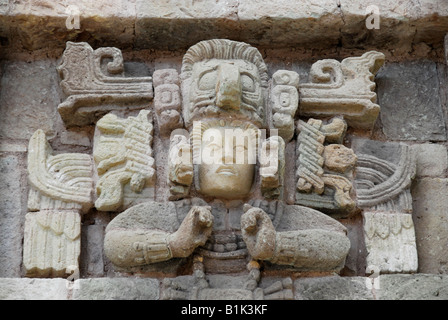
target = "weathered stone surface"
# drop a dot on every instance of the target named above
(332, 288)
(390, 242)
(63, 181)
(124, 161)
(94, 88)
(11, 217)
(431, 224)
(28, 99)
(155, 24)
(91, 259)
(33, 289)
(432, 159)
(383, 175)
(52, 243)
(413, 287)
(116, 289)
(409, 91)
(343, 88)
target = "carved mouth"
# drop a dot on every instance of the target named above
(226, 170)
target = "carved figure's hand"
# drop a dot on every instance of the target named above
(193, 232)
(258, 233)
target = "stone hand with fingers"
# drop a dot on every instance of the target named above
(194, 231)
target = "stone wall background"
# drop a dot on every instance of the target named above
(412, 90)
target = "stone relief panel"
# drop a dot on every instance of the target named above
(94, 85)
(60, 190)
(123, 160)
(343, 88)
(384, 174)
(225, 212)
(324, 171)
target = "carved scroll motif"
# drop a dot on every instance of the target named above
(383, 185)
(167, 100)
(323, 171)
(62, 181)
(93, 89)
(383, 179)
(343, 88)
(285, 100)
(61, 188)
(124, 162)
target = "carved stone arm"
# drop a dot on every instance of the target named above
(297, 248)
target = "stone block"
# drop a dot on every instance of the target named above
(412, 287)
(430, 216)
(28, 99)
(11, 218)
(33, 289)
(332, 288)
(409, 91)
(116, 289)
(91, 261)
(432, 159)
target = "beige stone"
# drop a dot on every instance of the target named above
(62, 181)
(343, 88)
(180, 166)
(390, 242)
(323, 171)
(167, 100)
(272, 167)
(285, 101)
(52, 243)
(94, 89)
(124, 163)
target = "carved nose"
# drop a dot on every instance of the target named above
(228, 87)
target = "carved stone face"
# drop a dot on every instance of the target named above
(226, 84)
(227, 162)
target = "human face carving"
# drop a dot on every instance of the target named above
(226, 84)
(228, 162)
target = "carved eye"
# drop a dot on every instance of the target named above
(208, 80)
(248, 83)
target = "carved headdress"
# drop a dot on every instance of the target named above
(224, 79)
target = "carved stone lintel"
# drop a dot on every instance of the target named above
(343, 88)
(124, 163)
(94, 90)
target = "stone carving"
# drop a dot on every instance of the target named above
(124, 163)
(384, 184)
(62, 181)
(390, 242)
(224, 86)
(61, 189)
(52, 243)
(324, 171)
(345, 88)
(94, 89)
(167, 100)
(272, 167)
(285, 100)
(221, 77)
(383, 178)
(180, 166)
